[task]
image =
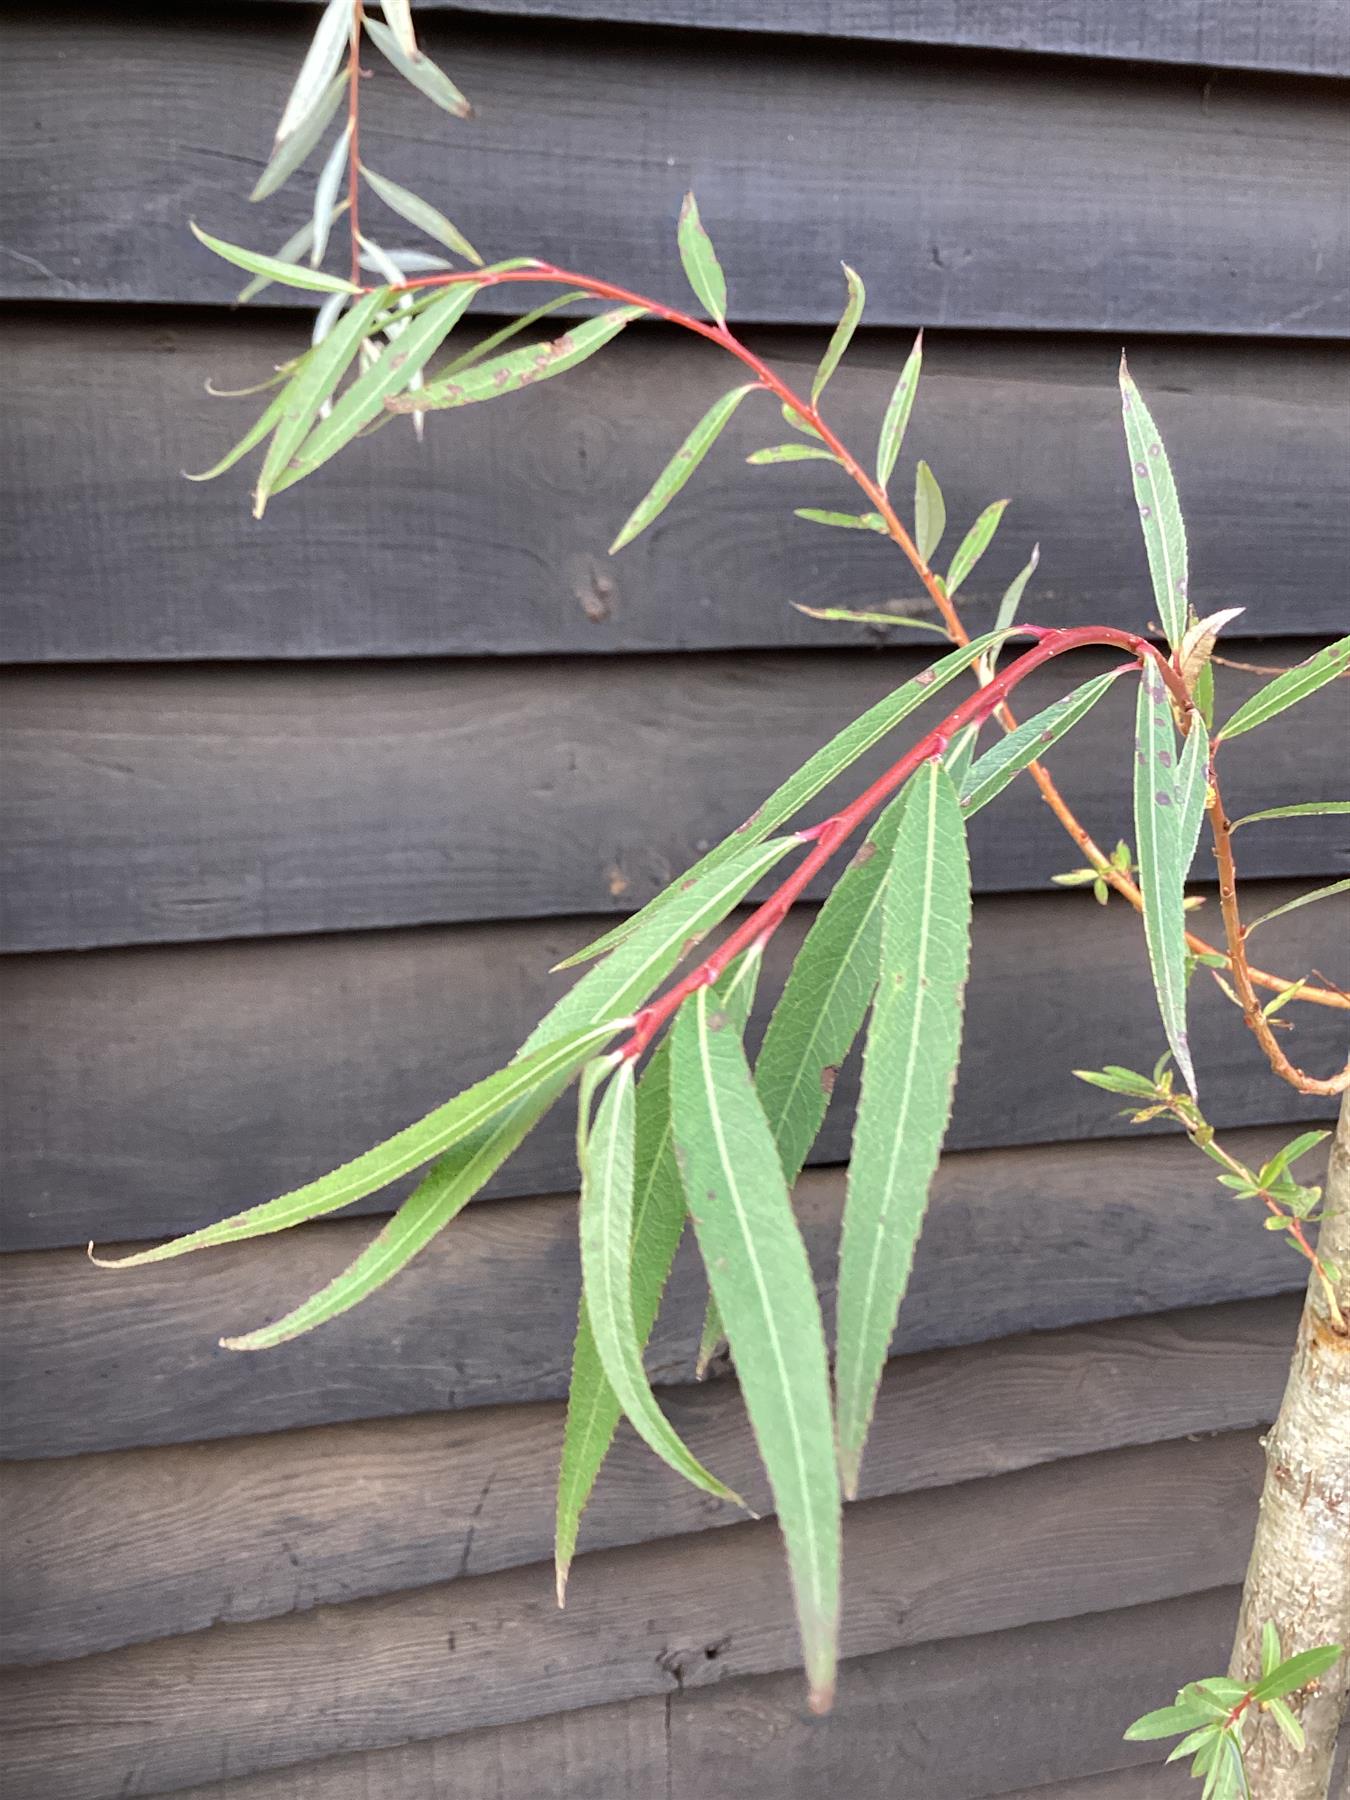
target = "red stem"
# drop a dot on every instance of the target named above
(826, 837)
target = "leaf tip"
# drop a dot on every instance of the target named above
(821, 1697)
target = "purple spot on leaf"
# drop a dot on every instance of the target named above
(1141, 468)
(1163, 799)
(1145, 512)
(1165, 758)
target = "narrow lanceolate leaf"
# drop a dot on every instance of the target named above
(1032, 738)
(960, 753)
(408, 1149)
(824, 1000)
(1304, 810)
(701, 267)
(843, 616)
(897, 414)
(1155, 491)
(291, 274)
(658, 1224)
(974, 544)
(1012, 599)
(318, 68)
(606, 1230)
(295, 245)
(869, 521)
(695, 904)
(485, 346)
(520, 368)
(365, 399)
(681, 466)
(930, 511)
(255, 434)
(436, 1199)
(1288, 689)
(290, 152)
(420, 71)
(319, 374)
(1323, 893)
(843, 332)
(782, 453)
(422, 214)
(909, 1070)
(398, 13)
(1168, 807)
(326, 194)
(761, 1279)
(816, 773)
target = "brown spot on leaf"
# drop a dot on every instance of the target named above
(828, 1076)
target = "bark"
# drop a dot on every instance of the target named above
(1299, 1574)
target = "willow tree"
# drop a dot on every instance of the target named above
(675, 1126)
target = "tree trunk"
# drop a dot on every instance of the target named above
(1299, 1574)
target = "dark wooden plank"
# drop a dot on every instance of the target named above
(939, 1722)
(114, 1549)
(1120, 1529)
(149, 1091)
(1145, 1781)
(1031, 1239)
(172, 805)
(1139, 217)
(1303, 36)
(490, 539)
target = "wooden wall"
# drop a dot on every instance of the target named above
(298, 815)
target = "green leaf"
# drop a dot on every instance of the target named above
(1297, 1671)
(930, 511)
(319, 374)
(1168, 1721)
(521, 368)
(1271, 1652)
(439, 1131)
(1305, 809)
(1168, 802)
(909, 1070)
(1275, 1168)
(365, 399)
(1155, 492)
(1287, 1723)
(1119, 1081)
(974, 544)
(292, 274)
(1323, 893)
(798, 421)
(420, 71)
(487, 345)
(843, 616)
(816, 773)
(658, 1223)
(681, 466)
(606, 1229)
(815, 515)
(296, 245)
(660, 939)
(701, 267)
(843, 332)
(1194, 1740)
(255, 433)
(1288, 689)
(399, 15)
(1029, 740)
(761, 1279)
(422, 214)
(317, 70)
(897, 414)
(824, 1000)
(437, 1198)
(782, 453)
(290, 152)
(959, 754)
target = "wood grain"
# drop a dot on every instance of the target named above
(1301, 35)
(1121, 1529)
(172, 804)
(1139, 218)
(148, 1091)
(490, 538)
(1028, 1239)
(113, 1549)
(901, 1728)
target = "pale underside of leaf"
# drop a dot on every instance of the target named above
(421, 213)
(761, 1279)
(842, 615)
(897, 414)
(419, 70)
(909, 1072)
(292, 151)
(317, 70)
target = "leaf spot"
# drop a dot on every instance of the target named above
(828, 1076)
(1163, 799)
